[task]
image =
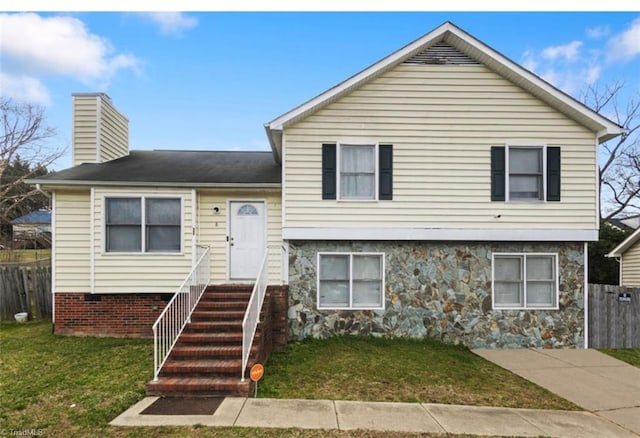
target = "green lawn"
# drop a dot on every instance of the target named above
(73, 386)
(629, 355)
(399, 370)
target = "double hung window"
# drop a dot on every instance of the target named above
(143, 224)
(350, 281)
(525, 281)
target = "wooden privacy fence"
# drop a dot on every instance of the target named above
(614, 316)
(25, 288)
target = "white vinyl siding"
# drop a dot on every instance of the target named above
(525, 281)
(140, 272)
(442, 121)
(100, 131)
(72, 233)
(114, 133)
(85, 133)
(350, 281)
(212, 228)
(631, 266)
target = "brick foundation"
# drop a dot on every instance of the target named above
(279, 308)
(132, 315)
(118, 315)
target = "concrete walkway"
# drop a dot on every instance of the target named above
(593, 380)
(400, 417)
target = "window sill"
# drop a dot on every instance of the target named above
(142, 254)
(526, 308)
(351, 308)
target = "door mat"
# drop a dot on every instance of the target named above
(184, 406)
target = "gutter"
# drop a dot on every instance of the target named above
(39, 182)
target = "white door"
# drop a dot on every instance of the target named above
(246, 239)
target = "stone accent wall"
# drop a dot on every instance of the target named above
(440, 290)
(119, 315)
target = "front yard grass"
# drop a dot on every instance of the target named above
(398, 370)
(73, 386)
(628, 355)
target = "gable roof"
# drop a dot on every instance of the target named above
(175, 169)
(625, 244)
(35, 217)
(473, 48)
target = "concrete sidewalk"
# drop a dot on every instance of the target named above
(400, 417)
(593, 380)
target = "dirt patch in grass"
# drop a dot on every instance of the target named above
(398, 370)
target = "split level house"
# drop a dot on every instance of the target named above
(628, 255)
(444, 191)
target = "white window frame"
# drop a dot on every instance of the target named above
(351, 254)
(524, 256)
(543, 148)
(143, 240)
(376, 169)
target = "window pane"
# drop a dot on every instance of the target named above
(334, 267)
(125, 211)
(525, 160)
(357, 159)
(541, 294)
(525, 187)
(367, 294)
(163, 211)
(540, 268)
(367, 267)
(357, 186)
(508, 268)
(124, 238)
(163, 238)
(508, 294)
(334, 294)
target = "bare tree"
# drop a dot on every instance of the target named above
(619, 173)
(23, 139)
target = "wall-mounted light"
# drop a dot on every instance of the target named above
(216, 210)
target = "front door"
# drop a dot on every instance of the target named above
(246, 239)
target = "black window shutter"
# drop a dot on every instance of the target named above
(328, 171)
(553, 173)
(385, 173)
(497, 173)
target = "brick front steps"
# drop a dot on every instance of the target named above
(207, 358)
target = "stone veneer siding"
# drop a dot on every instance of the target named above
(440, 290)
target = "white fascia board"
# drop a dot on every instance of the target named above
(66, 183)
(625, 245)
(453, 234)
(280, 122)
(608, 129)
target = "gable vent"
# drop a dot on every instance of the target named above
(441, 53)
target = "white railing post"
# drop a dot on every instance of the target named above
(177, 314)
(252, 315)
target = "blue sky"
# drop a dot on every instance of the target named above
(211, 80)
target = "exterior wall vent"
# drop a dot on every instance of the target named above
(441, 53)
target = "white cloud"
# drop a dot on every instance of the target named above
(171, 23)
(24, 88)
(568, 51)
(528, 61)
(598, 32)
(60, 45)
(593, 74)
(626, 45)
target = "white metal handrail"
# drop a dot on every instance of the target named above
(177, 314)
(252, 315)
